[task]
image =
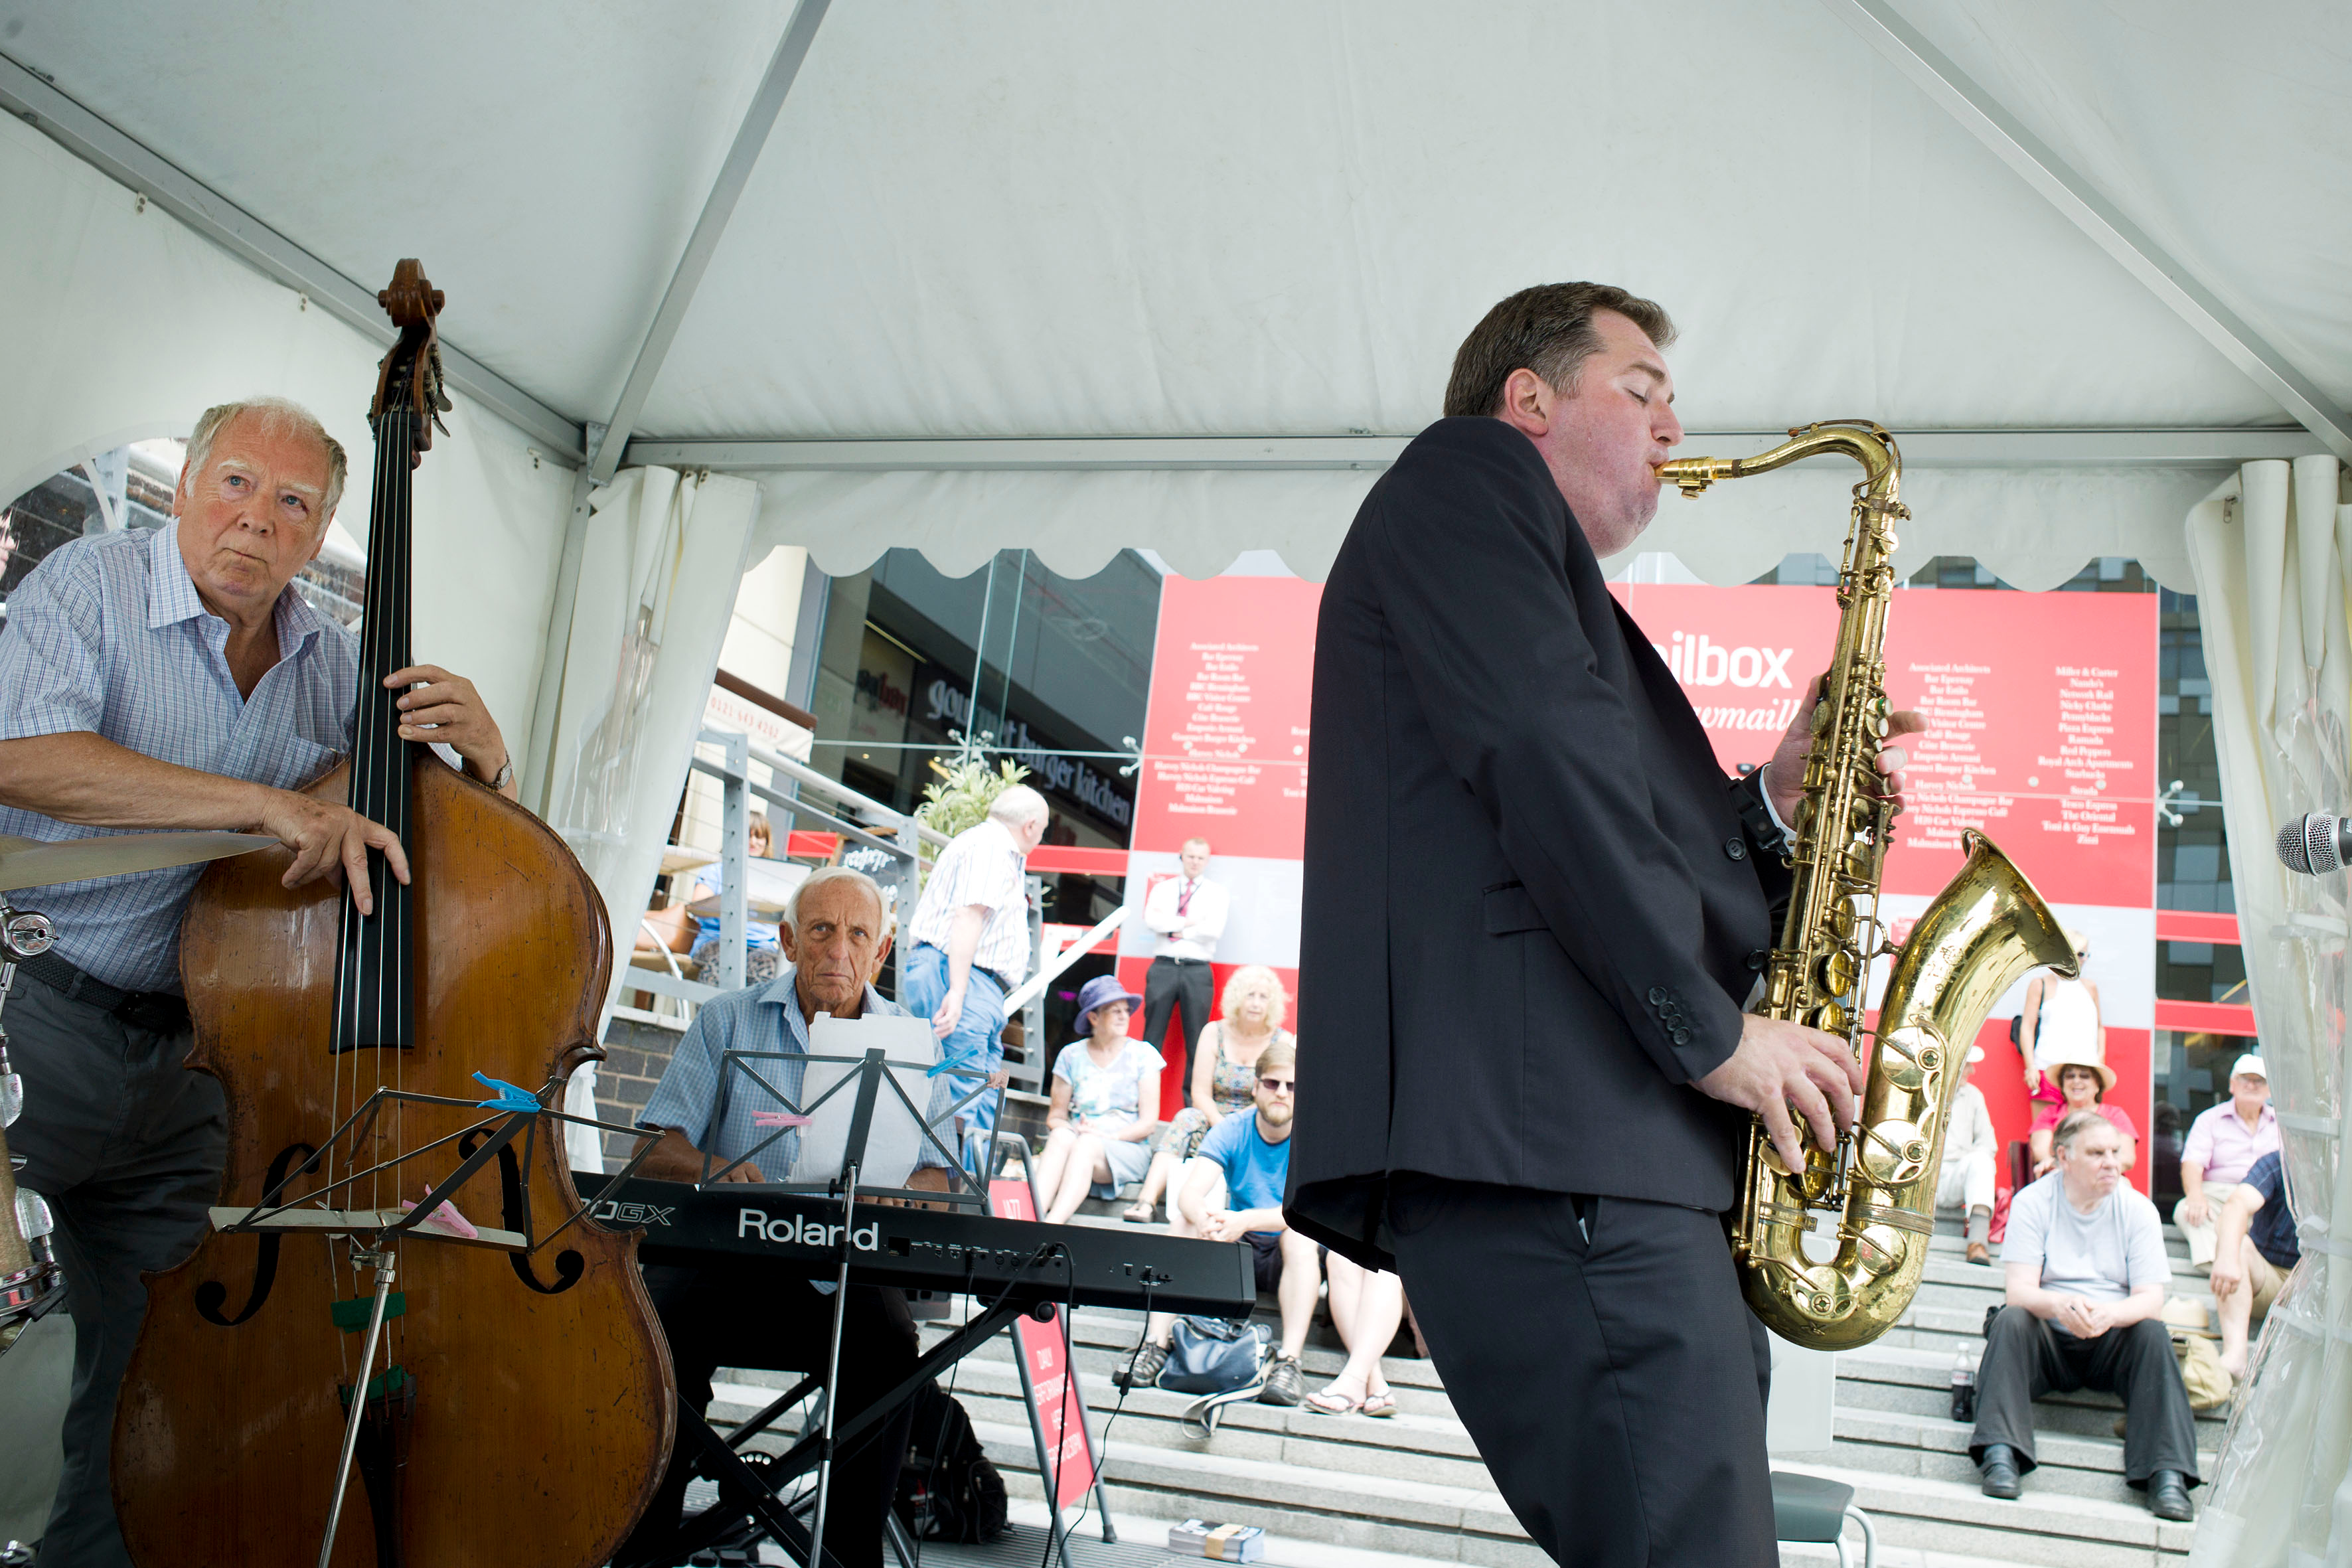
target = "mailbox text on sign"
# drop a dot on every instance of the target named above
(2041, 712)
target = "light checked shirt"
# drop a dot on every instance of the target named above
(107, 637)
(981, 864)
(722, 1119)
(1179, 901)
(2222, 1147)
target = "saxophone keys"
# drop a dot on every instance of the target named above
(1837, 972)
(1879, 1250)
(1894, 1154)
(1908, 1055)
(1830, 1018)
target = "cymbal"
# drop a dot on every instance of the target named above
(40, 863)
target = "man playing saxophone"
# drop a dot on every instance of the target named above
(1534, 909)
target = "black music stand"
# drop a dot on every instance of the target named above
(722, 1458)
(515, 1113)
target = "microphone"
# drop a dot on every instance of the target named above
(2316, 844)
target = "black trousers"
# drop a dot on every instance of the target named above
(127, 1144)
(1599, 1353)
(750, 1317)
(1168, 986)
(2026, 1358)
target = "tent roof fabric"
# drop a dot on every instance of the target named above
(1085, 220)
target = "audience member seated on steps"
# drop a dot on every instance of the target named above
(1101, 1086)
(1366, 1308)
(2222, 1146)
(1253, 1155)
(763, 957)
(2084, 1084)
(1970, 1146)
(1225, 1075)
(2255, 1248)
(2086, 1279)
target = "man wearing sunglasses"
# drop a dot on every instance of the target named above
(1251, 1156)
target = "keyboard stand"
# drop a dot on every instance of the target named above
(722, 1461)
(836, 1433)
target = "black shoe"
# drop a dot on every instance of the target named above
(2001, 1478)
(1143, 1371)
(2167, 1496)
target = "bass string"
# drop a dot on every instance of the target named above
(350, 967)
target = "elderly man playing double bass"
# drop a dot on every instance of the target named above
(172, 678)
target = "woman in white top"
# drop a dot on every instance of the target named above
(2060, 1022)
(1106, 1103)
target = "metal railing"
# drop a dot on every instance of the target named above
(890, 845)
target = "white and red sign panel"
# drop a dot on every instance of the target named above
(2042, 710)
(2042, 734)
(1225, 758)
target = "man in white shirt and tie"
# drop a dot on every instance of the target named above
(1186, 914)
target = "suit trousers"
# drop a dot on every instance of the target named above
(1599, 1353)
(1177, 985)
(721, 1315)
(2025, 1358)
(127, 1146)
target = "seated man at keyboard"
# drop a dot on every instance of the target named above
(835, 936)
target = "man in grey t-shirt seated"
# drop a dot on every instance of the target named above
(2086, 1277)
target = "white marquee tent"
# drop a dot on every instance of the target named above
(1079, 277)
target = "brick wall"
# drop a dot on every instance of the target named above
(636, 1055)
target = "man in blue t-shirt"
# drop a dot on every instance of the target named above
(2254, 1249)
(1249, 1155)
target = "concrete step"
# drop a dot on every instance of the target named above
(1419, 1519)
(1893, 1442)
(1402, 1447)
(2057, 1528)
(1919, 1383)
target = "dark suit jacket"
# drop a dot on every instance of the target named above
(1533, 904)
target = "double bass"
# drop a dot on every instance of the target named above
(520, 1408)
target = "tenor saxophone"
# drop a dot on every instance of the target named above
(1981, 933)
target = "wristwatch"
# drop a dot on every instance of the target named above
(506, 775)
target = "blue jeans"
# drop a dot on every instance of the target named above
(973, 1050)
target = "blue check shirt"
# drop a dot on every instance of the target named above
(107, 637)
(760, 1018)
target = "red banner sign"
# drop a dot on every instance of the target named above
(1057, 1409)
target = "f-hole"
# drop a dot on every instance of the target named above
(211, 1295)
(569, 1265)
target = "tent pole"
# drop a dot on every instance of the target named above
(733, 174)
(2063, 186)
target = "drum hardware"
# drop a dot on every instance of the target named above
(30, 1283)
(38, 863)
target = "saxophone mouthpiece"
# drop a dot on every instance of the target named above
(1692, 475)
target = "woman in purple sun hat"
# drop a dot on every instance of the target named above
(1098, 1125)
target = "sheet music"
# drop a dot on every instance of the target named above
(894, 1140)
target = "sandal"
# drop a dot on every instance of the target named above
(1380, 1405)
(1139, 1213)
(1329, 1404)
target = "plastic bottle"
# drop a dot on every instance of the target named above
(1964, 1385)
